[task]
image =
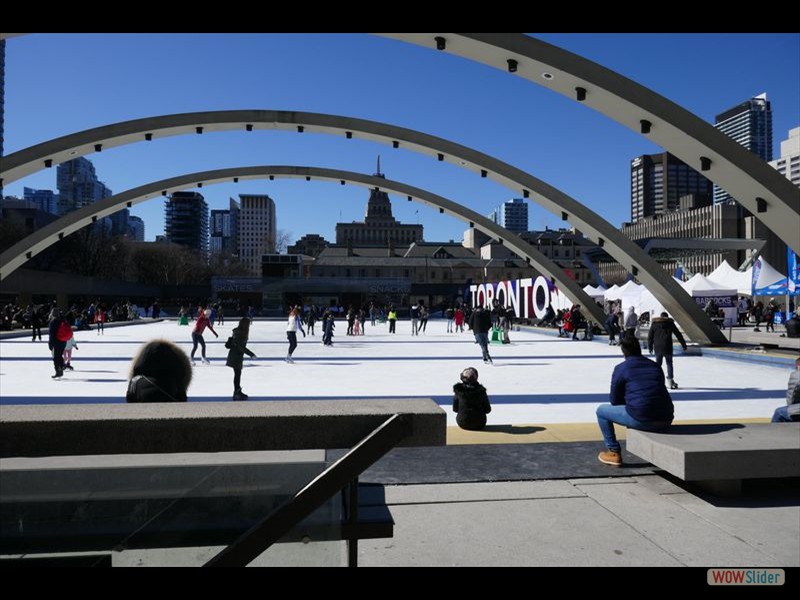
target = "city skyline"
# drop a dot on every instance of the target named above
(384, 80)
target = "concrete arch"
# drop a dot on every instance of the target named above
(693, 320)
(771, 197)
(35, 243)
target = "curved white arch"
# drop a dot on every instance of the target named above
(35, 243)
(770, 196)
(693, 320)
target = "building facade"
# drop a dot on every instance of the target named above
(136, 228)
(187, 220)
(225, 230)
(379, 227)
(310, 244)
(44, 200)
(788, 164)
(658, 181)
(257, 229)
(714, 221)
(78, 185)
(749, 124)
(513, 215)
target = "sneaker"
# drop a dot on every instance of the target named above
(205, 360)
(609, 457)
(289, 360)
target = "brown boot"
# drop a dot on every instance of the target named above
(610, 457)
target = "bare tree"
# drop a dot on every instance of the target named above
(283, 239)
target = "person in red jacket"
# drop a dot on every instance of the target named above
(197, 333)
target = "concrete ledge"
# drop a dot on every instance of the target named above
(722, 452)
(53, 430)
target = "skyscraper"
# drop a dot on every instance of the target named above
(45, 200)
(225, 229)
(78, 185)
(788, 164)
(513, 215)
(658, 181)
(187, 220)
(136, 228)
(257, 229)
(750, 124)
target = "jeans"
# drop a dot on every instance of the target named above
(781, 415)
(483, 341)
(292, 336)
(198, 339)
(607, 415)
(668, 358)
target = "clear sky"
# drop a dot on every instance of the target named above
(62, 83)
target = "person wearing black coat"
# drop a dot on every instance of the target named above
(160, 372)
(237, 348)
(659, 340)
(481, 323)
(470, 401)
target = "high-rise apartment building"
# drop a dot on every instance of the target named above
(225, 229)
(513, 215)
(136, 228)
(187, 220)
(257, 229)
(750, 124)
(78, 185)
(44, 200)
(788, 164)
(658, 181)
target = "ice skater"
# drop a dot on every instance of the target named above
(293, 325)
(660, 340)
(197, 333)
(481, 323)
(237, 348)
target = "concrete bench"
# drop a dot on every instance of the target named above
(84, 477)
(719, 457)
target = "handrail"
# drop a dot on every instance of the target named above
(328, 483)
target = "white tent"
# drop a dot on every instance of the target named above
(594, 292)
(648, 303)
(728, 277)
(702, 289)
(768, 276)
(612, 293)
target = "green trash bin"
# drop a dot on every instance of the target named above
(497, 335)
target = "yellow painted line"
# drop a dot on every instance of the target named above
(554, 432)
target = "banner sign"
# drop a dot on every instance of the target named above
(528, 297)
(793, 276)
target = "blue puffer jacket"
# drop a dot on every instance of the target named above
(638, 383)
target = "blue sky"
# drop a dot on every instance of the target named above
(61, 83)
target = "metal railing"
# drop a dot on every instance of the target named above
(341, 474)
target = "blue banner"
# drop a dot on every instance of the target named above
(793, 276)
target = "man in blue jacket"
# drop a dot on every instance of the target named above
(639, 399)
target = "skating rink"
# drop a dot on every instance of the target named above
(538, 378)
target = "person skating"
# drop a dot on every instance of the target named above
(659, 340)
(293, 325)
(237, 348)
(481, 323)
(197, 333)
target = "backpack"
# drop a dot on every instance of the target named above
(64, 332)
